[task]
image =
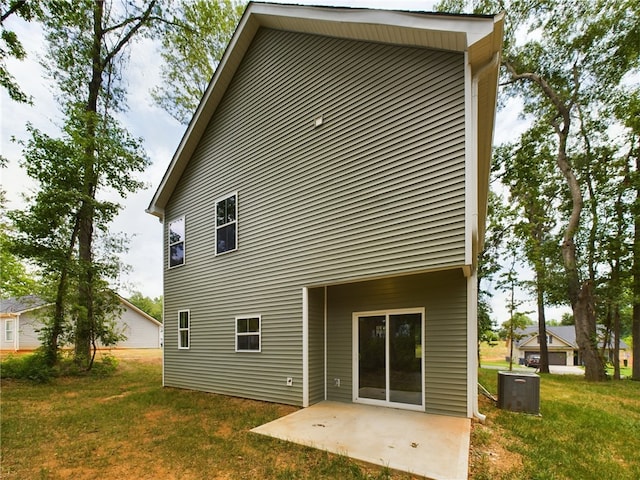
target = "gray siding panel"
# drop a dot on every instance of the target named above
(443, 295)
(377, 190)
(316, 345)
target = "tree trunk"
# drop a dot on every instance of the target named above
(635, 325)
(616, 342)
(86, 319)
(586, 337)
(542, 331)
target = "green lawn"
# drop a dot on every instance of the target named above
(585, 431)
(128, 426)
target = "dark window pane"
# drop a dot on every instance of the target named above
(254, 325)
(248, 342)
(184, 319)
(184, 339)
(226, 238)
(220, 213)
(176, 254)
(176, 231)
(231, 209)
(243, 325)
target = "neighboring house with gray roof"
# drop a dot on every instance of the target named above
(561, 343)
(323, 212)
(21, 320)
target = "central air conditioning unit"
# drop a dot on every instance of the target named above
(519, 392)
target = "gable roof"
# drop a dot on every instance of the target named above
(142, 313)
(18, 305)
(479, 36)
(566, 333)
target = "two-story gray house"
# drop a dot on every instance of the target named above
(323, 212)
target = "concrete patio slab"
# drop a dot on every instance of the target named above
(431, 446)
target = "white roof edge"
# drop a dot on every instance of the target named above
(131, 306)
(271, 15)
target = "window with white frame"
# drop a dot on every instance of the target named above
(9, 328)
(184, 329)
(248, 333)
(227, 224)
(176, 242)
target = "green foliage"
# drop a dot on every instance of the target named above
(36, 368)
(187, 67)
(151, 306)
(10, 45)
(15, 280)
(65, 228)
(32, 367)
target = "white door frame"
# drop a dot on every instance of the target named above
(355, 357)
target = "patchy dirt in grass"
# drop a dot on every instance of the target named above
(146, 355)
(489, 455)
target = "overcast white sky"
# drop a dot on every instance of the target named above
(161, 134)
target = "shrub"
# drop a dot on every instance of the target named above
(32, 367)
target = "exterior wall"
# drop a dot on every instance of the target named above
(376, 190)
(29, 326)
(316, 344)
(443, 295)
(140, 331)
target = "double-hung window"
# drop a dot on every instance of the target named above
(9, 327)
(184, 329)
(227, 224)
(248, 333)
(176, 242)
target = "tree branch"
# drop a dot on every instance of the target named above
(124, 40)
(13, 9)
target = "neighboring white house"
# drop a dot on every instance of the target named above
(562, 346)
(21, 320)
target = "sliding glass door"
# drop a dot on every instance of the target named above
(388, 358)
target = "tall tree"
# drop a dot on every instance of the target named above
(559, 74)
(526, 168)
(192, 47)
(87, 46)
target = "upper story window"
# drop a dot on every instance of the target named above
(184, 329)
(227, 224)
(176, 242)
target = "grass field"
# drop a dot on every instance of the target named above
(128, 426)
(585, 431)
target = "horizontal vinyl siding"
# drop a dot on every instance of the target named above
(378, 189)
(443, 296)
(316, 345)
